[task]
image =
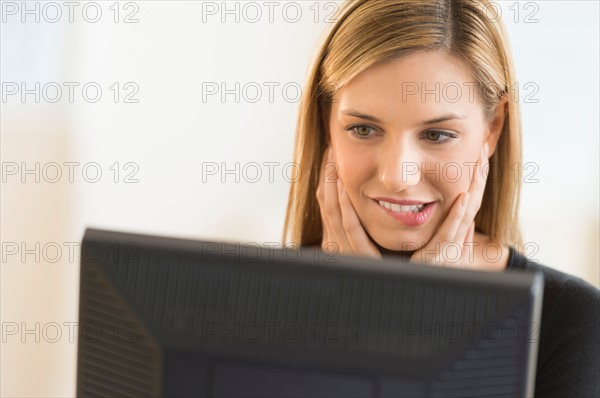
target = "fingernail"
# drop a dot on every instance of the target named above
(465, 199)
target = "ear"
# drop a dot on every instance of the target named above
(496, 124)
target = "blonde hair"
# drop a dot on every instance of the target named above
(368, 32)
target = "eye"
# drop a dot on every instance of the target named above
(434, 135)
(360, 131)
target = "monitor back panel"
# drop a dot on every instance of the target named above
(171, 317)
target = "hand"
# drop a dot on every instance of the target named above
(455, 235)
(342, 230)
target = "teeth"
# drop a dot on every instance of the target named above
(401, 209)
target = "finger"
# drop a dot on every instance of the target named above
(328, 243)
(330, 208)
(447, 231)
(458, 223)
(471, 233)
(326, 167)
(476, 190)
(358, 238)
(467, 250)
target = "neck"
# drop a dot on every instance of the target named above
(404, 255)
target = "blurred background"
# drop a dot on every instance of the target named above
(178, 118)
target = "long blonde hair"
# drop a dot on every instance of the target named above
(368, 32)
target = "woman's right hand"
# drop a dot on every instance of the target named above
(342, 230)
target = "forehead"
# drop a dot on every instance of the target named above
(416, 85)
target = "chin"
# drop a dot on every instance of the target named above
(410, 241)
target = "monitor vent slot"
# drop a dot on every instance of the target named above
(117, 354)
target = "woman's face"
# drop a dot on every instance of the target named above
(409, 129)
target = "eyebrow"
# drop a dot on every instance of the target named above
(443, 118)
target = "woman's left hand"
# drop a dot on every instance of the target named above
(452, 243)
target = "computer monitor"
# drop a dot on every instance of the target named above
(182, 318)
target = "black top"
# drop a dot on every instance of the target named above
(569, 351)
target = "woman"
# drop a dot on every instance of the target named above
(409, 144)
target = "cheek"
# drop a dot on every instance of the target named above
(355, 166)
(452, 170)
(453, 176)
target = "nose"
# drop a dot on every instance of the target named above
(400, 165)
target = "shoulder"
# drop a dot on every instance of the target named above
(568, 353)
(560, 289)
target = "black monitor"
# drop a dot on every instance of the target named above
(169, 317)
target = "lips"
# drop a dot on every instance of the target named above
(410, 218)
(403, 202)
(402, 208)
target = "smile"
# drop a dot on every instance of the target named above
(396, 208)
(408, 215)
